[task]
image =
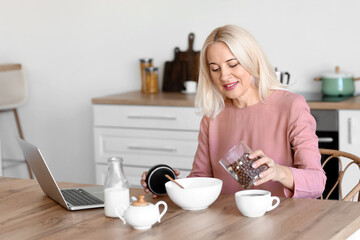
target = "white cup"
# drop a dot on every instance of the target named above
(190, 86)
(255, 203)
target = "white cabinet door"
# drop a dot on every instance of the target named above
(132, 173)
(101, 172)
(144, 136)
(349, 131)
(145, 148)
(349, 141)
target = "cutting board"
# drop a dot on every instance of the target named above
(193, 59)
(175, 73)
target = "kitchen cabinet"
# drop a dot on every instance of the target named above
(349, 141)
(144, 136)
(149, 129)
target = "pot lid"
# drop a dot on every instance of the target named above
(336, 74)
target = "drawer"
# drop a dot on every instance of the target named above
(133, 174)
(149, 117)
(139, 147)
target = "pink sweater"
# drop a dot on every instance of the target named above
(281, 126)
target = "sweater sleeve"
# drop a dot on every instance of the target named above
(201, 165)
(309, 177)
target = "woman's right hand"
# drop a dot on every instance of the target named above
(143, 182)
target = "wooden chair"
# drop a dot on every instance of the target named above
(13, 94)
(350, 159)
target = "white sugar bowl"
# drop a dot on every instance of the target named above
(141, 214)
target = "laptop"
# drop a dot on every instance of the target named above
(71, 198)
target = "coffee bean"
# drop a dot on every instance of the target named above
(243, 172)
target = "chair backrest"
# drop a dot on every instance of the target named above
(13, 86)
(345, 160)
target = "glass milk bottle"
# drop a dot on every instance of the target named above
(116, 187)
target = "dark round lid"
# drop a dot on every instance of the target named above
(155, 179)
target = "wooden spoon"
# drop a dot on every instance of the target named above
(171, 179)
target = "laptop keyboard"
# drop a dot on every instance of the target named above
(79, 197)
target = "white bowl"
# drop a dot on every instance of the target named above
(198, 193)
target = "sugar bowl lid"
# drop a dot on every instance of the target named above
(140, 202)
(155, 179)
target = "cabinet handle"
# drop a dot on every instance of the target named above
(349, 131)
(151, 117)
(326, 139)
(152, 149)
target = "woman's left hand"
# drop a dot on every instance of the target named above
(275, 172)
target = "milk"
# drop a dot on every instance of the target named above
(113, 197)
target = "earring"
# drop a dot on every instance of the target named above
(252, 80)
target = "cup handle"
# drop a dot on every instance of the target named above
(288, 77)
(121, 216)
(272, 206)
(164, 211)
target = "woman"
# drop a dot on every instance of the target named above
(242, 100)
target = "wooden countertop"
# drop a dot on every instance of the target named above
(138, 98)
(187, 100)
(26, 213)
(350, 104)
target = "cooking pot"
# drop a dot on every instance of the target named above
(337, 84)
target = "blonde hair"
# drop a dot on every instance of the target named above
(209, 100)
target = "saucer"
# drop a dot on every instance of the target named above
(186, 92)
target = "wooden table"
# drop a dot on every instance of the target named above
(26, 213)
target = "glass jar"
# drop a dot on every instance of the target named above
(151, 80)
(237, 162)
(144, 63)
(116, 187)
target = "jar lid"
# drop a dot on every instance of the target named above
(146, 60)
(150, 69)
(155, 179)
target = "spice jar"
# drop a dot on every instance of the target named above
(144, 63)
(151, 80)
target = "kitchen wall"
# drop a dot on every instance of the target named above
(73, 51)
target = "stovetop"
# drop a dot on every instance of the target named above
(319, 97)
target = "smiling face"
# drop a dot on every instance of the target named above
(230, 77)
